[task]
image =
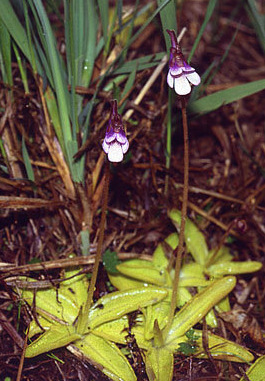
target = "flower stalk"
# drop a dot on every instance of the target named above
(115, 145)
(178, 252)
(179, 77)
(92, 284)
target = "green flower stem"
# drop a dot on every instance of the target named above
(179, 250)
(84, 316)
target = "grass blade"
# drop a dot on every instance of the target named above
(258, 21)
(5, 54)
(26, 160)
(15, 28)
(168, 19)
(141, 63)
(90, 48)
(224, 97)
(104, 17)
(137, 34)
(57, 75)
(27, 21)
(208, 15)
(22, 69)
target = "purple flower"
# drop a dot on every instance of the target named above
(180, 73)
(115, 143)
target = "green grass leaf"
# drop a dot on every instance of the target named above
(5, 54)
(15, 28)
(103, 6)
(90, 47)
(163, 4)
(168, 19)
(26, 160)
(141, 63)
(129, 83)
(208, 15)
(220, 98)
(56, 68)
(258, 21)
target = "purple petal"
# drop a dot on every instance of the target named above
(176, 71)
(110, 135)
(187, 68)
(121, 137)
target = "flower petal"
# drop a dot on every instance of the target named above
(194, 78)
(170, 80)
(182, 86)
(176, 71)
(125, 146)
(110, 135)
(105, 146)
(188, 68)
(121, 137)
(115, 154)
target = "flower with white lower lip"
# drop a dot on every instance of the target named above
(180, 73)
(115, 144)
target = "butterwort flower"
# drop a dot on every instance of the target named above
(115, 143)
(180, 73)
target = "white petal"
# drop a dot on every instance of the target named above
(115, 154)
(182, 86)
(125, 146)
(194, 78)
(105, 146)
(170, 80)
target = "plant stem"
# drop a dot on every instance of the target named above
(22, 357)
(82, 326)
(179, 250)
(168, 149)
